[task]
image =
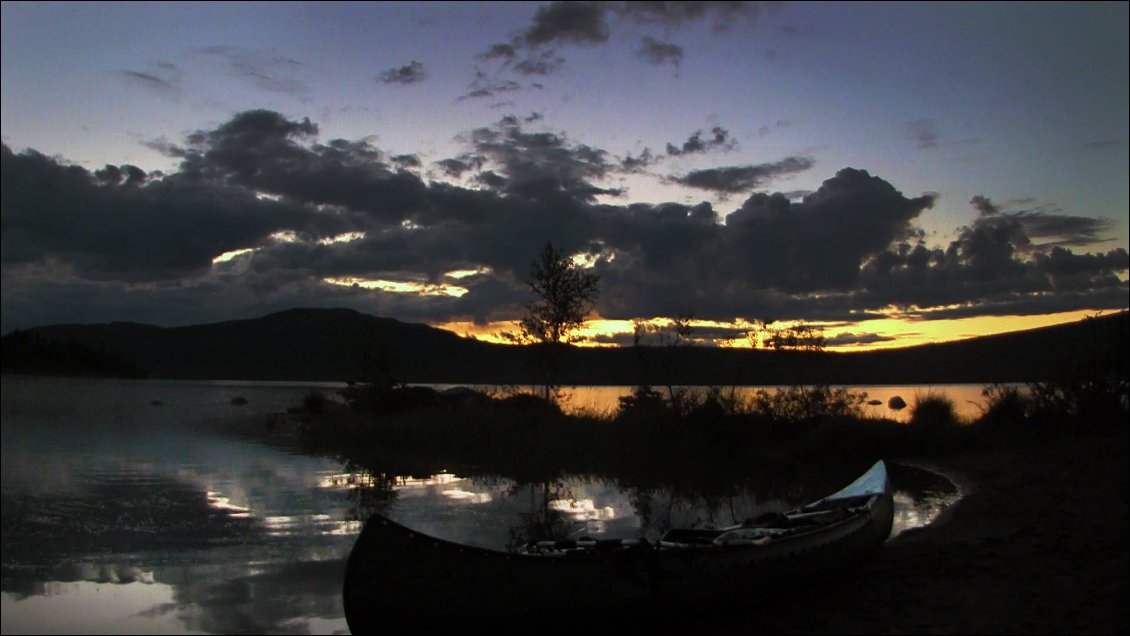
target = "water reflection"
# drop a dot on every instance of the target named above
(194, 517)
(498, 513)
(968, 402)
(119, 517)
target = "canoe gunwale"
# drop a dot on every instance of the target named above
(407, 570)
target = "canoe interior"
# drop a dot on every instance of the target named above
(399, 579)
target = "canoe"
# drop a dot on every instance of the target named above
(398, 579)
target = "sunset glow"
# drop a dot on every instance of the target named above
(408, 160)
(399, 287)
(866, 335)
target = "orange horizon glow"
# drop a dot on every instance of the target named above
(895, 331)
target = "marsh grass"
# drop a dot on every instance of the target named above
(702, 441)
(934, 411)
(709, 446)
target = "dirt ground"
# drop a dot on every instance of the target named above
(1040, 544)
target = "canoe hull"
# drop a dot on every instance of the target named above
(399, 579)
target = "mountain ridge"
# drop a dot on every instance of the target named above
(340, 344)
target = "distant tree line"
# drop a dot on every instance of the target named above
(30, 354)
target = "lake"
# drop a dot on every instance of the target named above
(967, 399)
(157, 506)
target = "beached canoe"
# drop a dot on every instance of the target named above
(399, 579)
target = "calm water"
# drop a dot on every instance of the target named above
(164, 507)
(967, 399)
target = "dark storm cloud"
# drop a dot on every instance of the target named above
(112, 225)
(263, 151)
(567, 22)
(659, 53)
(1036, 223)
(456, 167)
(410, 73)
(117, 243)
(738, 179)
(406, 161)
(994, 266)
(1066, 230)
(541, 164)
(819, 243)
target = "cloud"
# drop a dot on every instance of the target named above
(114, 225)
(456, 167)
(567, 22)
(162, 79)
(1103, 144)
(267, 70)
(164, 88)
(738, 179)
(560, 24)
(924, 132)
(489, 87)
(543, 63)
(639, 163)
(994, 266)
(1037, 223)
(118, 243)
(541, 164)
(845, 339)
(659, 53)
(410, 73)
(673, 14)
(720, 139)
(406, 160)
(505, 52)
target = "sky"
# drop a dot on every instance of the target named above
(895, 173)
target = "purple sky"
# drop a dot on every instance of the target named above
(176, 163)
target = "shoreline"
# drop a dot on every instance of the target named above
(1031, 547)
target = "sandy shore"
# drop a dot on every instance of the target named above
(1040, 544)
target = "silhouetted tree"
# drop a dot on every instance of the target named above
(565, 294)
(798, 400)
(657, 348)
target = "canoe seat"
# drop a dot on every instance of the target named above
(690, 535)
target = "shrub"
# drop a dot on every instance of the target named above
(1006, 406)
(1089, 386)
(934, 411)
(802, 403)
(643, 403)
(314, 402)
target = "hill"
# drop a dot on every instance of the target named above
(343, 345)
